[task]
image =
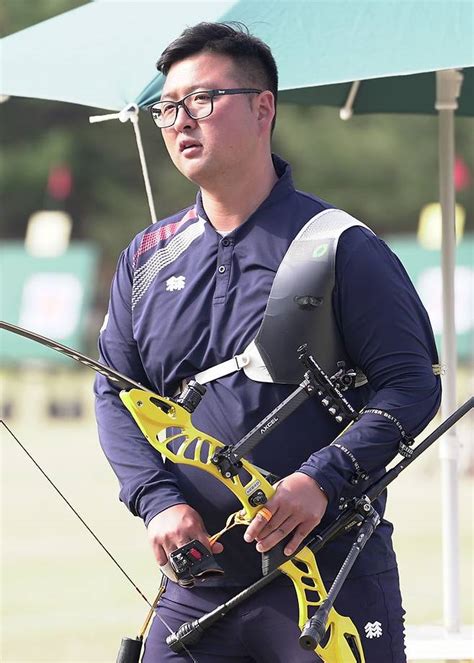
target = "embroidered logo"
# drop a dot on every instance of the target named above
(373, 630)
(175, 283)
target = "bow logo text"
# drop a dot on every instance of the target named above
(268, 425)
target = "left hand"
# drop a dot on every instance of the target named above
(297, 506)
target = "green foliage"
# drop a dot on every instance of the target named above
(380, 168)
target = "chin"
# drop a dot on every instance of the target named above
(191, 174)
(195, 172)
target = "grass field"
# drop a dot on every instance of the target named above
(62, 599)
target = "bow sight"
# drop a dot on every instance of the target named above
(315, 383)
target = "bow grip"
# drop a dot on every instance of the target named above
(275, 557)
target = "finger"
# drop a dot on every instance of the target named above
(160, 554)
(215, 545)
(260, 520)
(300, 533)
(217, 548)
(277, 522)
(277, 535)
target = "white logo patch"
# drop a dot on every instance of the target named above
(373, 630)
(175, 283)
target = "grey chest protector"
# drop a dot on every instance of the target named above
(299, 310)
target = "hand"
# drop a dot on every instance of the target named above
(297, 506)
(173, 528)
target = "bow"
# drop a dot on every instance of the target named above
(159, 418)
(169, 429)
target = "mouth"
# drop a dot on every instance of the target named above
(189, 146)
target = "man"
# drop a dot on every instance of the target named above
(189, 293)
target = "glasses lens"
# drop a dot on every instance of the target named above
(198, 104)
(164, 113)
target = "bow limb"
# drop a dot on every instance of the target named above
(169, 429)
(303, 570)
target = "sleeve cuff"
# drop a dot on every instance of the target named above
(157, 507)
(332, 490)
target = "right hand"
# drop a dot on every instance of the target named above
(173, 528)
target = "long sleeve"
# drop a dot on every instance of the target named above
(146, 487)
(388, 335)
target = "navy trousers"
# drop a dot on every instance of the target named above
(264, 629)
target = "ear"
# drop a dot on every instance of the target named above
(265, 109)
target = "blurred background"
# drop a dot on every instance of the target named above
(62, 600)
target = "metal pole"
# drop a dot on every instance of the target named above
(448, 85)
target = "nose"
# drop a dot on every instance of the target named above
(183, 121)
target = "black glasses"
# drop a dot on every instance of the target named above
(197, 105)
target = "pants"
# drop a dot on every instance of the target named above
(264, 629)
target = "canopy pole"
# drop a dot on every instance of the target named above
(345, 113)
(131, 112)
(448, 86)
(141, 152)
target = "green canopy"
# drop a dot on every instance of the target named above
(103, 54)
(393, 48)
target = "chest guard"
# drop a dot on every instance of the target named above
(299, 310)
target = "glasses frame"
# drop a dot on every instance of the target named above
(212, 94)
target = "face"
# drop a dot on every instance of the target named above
(220, 145)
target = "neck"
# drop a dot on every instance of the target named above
(230, 203)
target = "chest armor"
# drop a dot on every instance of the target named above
(299, 310)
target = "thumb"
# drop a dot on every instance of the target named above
(217, 547)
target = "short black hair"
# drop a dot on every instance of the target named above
(252, 56)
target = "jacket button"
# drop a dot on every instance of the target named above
(221, 269)
(225, 242)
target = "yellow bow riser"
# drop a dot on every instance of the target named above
(169, 429)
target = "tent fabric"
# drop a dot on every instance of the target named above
(401, 94)
(321, 47)
(103, 54)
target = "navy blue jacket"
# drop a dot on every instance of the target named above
(184, 299)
